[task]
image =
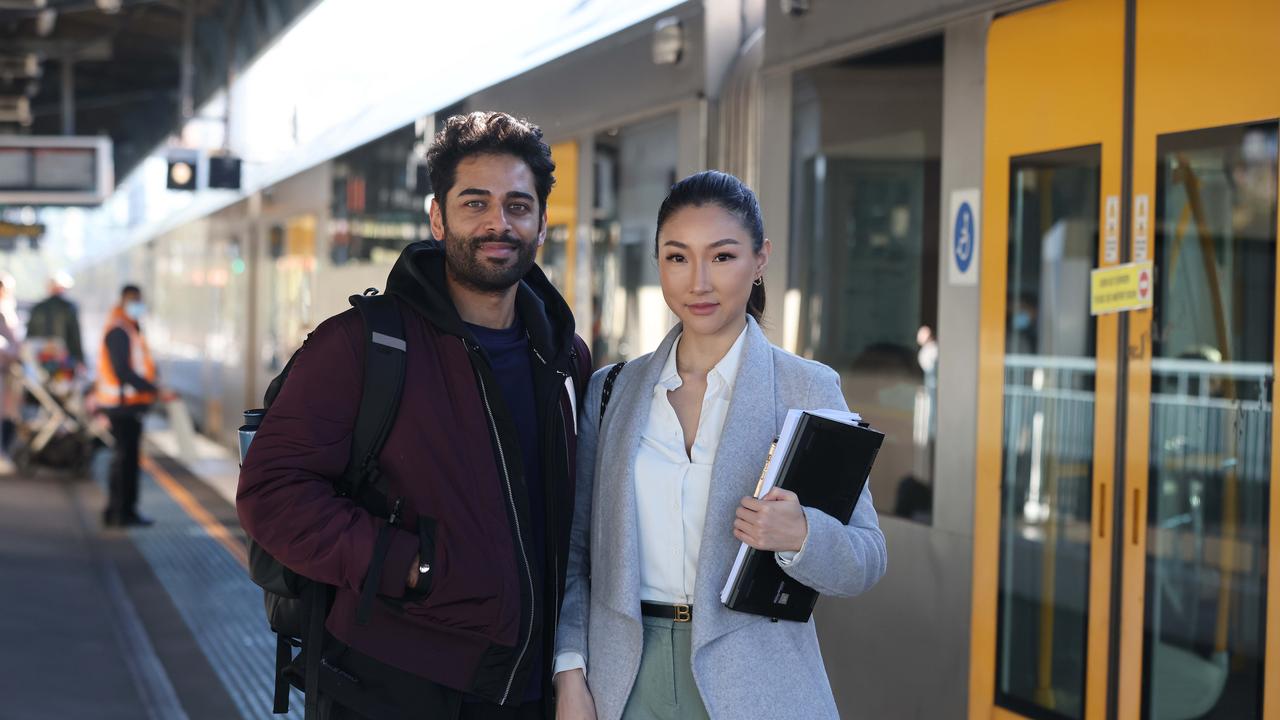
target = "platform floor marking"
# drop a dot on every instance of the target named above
(197, 562)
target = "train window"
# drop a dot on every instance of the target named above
(377, 201)
(635, 167)
(866, 148)
(1210, 448)
(1050, 373)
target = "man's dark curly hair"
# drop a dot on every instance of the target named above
(494, 133)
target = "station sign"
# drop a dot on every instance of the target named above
(55, 170)
(1121, 287)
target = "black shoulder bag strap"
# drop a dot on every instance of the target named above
(607, 390)
(384, 370)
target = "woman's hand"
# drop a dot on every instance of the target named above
(573, 697)
(776, 522)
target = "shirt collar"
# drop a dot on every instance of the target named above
(722, 374)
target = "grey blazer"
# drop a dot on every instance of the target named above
(745, 665)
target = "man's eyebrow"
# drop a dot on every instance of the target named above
(519, 194)
(474, 191)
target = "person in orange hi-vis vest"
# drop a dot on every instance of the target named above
(126, 387)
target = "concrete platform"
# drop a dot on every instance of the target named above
(157, 622)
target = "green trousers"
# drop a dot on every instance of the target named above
(664, 688)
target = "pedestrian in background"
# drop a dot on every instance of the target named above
(57, 319)
(126, 388)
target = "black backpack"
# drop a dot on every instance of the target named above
(297, 606)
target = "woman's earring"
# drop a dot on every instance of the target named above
(759, 280)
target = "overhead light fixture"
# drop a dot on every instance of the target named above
(182, 175)
(182, 170)
(668, 41)
(45, 20)
(795, 8)
(110, 7)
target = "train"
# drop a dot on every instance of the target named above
(1076, 484)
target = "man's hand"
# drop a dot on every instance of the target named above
(573, 697)
(776, 522)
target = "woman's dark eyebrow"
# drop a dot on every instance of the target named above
(716, 244)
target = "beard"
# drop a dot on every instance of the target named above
(467, 265)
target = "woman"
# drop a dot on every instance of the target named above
(663, 500)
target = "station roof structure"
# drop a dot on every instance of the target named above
(133, 70)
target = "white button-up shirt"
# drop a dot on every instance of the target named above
(672, 486)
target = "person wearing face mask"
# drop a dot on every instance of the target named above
(126, 387)
(666, 473)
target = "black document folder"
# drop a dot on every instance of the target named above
(826, 463)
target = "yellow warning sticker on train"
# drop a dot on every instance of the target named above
(1121, 287)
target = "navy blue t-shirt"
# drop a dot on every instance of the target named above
(509, 356)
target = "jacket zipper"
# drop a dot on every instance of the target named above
(564, 435)
(555, 562)
(524, 555)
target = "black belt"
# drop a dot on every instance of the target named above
(679, 613)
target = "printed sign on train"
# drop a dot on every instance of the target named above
(1122, 287)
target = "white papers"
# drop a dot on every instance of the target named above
(775, 463)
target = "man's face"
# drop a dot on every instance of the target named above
(491, 222)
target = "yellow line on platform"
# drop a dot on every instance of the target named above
(193, 508)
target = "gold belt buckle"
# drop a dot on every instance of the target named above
(684, 613)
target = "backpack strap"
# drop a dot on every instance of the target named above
(608, 388)
(384, 369)
(317, 605)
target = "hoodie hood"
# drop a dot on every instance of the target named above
(418, 278)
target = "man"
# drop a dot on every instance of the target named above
(126, 388)
(479, 462)
(56, 317)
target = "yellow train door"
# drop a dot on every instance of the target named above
(1124, 494)
(1199, 439)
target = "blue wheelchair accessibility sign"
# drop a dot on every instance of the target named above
(963, 237)
(966, 237)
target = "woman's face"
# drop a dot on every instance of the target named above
(707, 266)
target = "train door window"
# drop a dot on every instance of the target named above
(635, 167)
(1210, 437)
(1050, 371)
(867, 136)
(556, 257)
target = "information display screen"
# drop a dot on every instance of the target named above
(54, 170)
(65, 169)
